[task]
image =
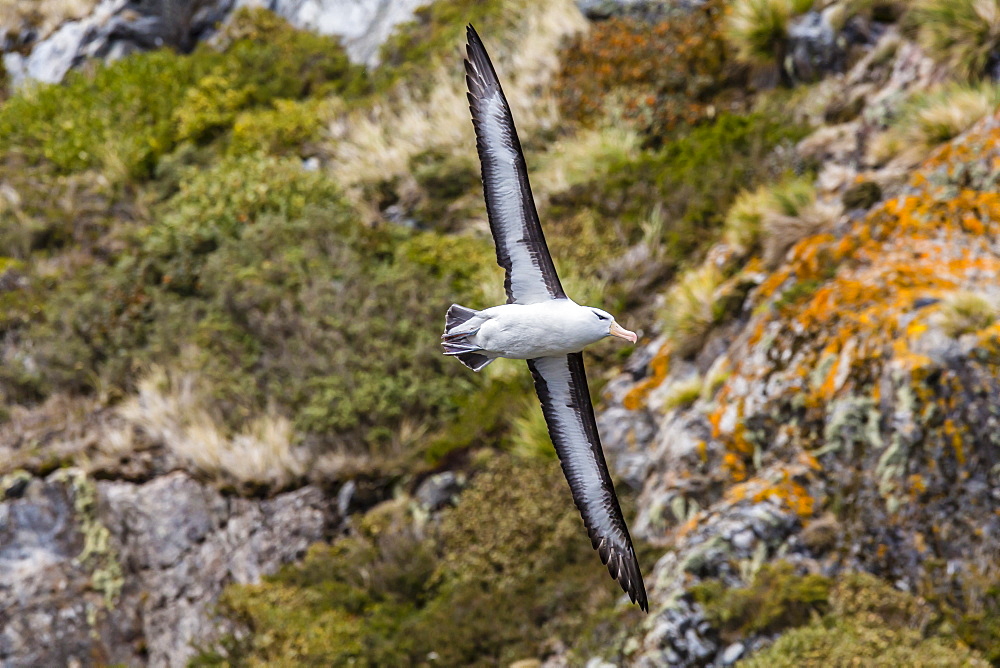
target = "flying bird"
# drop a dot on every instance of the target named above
(539, 323)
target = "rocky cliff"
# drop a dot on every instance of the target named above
(227, 436)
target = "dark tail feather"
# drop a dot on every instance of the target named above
(456, 316)
(475, 361)
(456, 344)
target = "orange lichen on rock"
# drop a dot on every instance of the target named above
(659, 366)
(849, 310)
(786, 491)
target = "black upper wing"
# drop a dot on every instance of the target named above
(521, 251)
(561, 383)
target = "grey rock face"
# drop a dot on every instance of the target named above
(363, 25)
(123, 573)
(114, 29)
(813, 49)
(118, 27)
(439, 489)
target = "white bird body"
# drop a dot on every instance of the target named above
(540, 324)
(527, 331)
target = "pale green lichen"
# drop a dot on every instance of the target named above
(99, 556)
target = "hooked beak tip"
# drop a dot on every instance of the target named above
(622, 333)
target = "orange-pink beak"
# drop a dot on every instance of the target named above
(622, 333)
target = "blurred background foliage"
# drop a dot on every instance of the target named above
(176, 211)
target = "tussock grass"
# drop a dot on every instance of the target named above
(530, 438)
(772, 219)
(585, 156)
(688, 314)
(967, 312)
(794, 214)
(932, 118)
(964, 34)
(744, 220)
(170, 409)
(758, 29)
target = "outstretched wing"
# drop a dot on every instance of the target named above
(561, 383)
(521, 251)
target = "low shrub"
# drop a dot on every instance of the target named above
(507, 569)
(777, 599)
(618, 67)
(869, 623)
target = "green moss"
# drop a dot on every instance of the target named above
(466, 593)
(870, 623)
(777, 599)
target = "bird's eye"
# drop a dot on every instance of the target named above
(600, 316)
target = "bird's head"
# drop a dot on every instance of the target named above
(608, 326)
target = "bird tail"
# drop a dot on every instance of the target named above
(455, 340)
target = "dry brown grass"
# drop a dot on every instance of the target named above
(377, 143)
(170, 409)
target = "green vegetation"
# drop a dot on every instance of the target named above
(617, 69)
(967, 312)
(506, 571)
(689, 311)
(172, 233)
(161, 98)
(965, 34)
(414, 48)
(870, 623)
(669, 183)
(775, 217)
(683, 393)
(758, 29)
(934, 117)
(777, 599)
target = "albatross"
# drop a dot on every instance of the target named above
(539, 323)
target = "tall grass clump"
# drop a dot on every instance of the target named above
(773, 218)
(689, 312)
(965, 34)
(758, 29)
(934, 117)
(967, 312)
(173, 411)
